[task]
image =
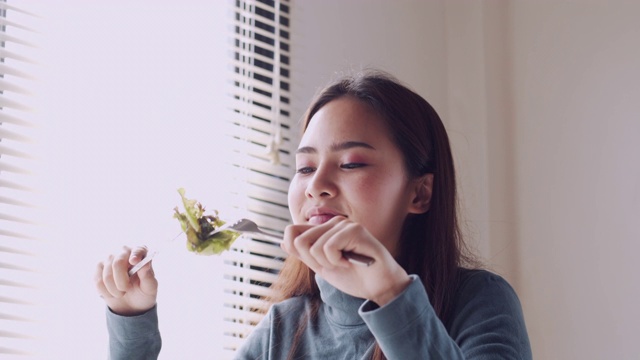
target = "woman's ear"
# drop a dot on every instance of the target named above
(423, 188)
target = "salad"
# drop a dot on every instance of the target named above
(198, 225)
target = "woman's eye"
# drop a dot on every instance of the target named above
(352, 165)
(305, 170)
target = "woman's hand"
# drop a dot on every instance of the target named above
(123, 294)
(320, 247)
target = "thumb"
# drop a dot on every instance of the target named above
(148, 281)
(294, 230)
(137, 254)
(146, 272)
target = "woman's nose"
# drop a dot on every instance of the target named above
(321, 184)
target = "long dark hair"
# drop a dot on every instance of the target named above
(431, 244)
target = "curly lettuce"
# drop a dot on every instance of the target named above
(197, 226)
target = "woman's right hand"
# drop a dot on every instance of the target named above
(126, 295)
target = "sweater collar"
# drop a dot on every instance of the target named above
(339, 307)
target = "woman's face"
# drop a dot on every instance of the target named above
(348, 165)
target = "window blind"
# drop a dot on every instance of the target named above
(17, 246)
(263, 139)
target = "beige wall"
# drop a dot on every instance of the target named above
(541, 103)
(576, 81)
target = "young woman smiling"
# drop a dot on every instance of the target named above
(375, 176)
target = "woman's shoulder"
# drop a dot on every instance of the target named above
(480, 276)
(487, 305)
(293, 306)
(480, 284)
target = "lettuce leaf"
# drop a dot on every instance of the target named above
(196, 225)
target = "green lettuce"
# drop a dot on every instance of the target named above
(196, 225)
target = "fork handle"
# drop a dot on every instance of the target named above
(358, 259)
(354, 258)
(142, 263)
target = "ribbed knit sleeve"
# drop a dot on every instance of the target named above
(487, 323)
(134, 337)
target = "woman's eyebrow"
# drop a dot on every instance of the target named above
(336, 147)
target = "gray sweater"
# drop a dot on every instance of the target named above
(487, 323)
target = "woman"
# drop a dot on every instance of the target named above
(375, 176)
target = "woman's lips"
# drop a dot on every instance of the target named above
(320, 219)
(321, 214)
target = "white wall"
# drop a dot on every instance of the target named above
(540, 100)
(435, 47)
(125, 97)
(576, 84)
(333, 36)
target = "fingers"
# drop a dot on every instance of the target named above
(291, 233)
(120, 270)
(105, 279)
(319, 245)
(137, 254)
(111, 276)
(146, 275)
(327, 250)
(99, 281)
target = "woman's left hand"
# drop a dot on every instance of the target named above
(321, 246)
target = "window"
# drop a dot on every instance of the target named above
(122, 127)
(265, 136)
(18, 247)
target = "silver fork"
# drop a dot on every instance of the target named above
(248, 226)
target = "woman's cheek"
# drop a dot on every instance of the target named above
(294, 199)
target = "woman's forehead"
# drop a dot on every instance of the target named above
(346, 114)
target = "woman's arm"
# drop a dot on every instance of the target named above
(134, 337)
(487, 323)
(132, 319)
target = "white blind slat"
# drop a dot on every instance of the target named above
(259, 179)
(13, 169)
(246, 288)
(247, 30)
(6, 118)
(258, 150)
(248, 244)
(255, 191)
(5, 6)
(9, 70)
(264, 167)
(263, 99)
(15, 56)
(237, 329)
(245, 316)
(245, 302)
(252, 130)
(244, 94)
(12, 39)
(259, 261)
(8, 134)
(246, 273)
